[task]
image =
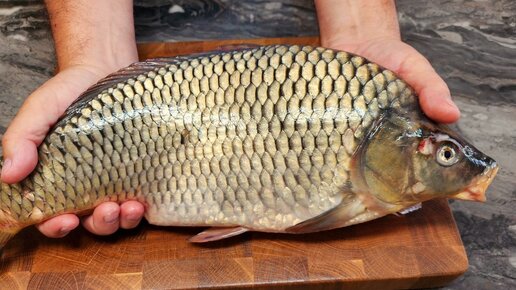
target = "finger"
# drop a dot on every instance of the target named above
(437, 106)
(105, 219)
(131, 213)
(59, 226)
(434, 95)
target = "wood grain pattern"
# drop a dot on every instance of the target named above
(164, 49)
(421, 249)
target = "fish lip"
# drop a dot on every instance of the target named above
(476, 190)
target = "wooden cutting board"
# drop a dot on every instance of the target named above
(421, 249)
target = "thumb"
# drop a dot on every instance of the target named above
(414, 68)
(36, 116)
(20, 158)
(434, 95)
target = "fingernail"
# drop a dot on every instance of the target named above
(111, 218)
(6, 166)
(64, 231)
(451, 104)
(133, 217)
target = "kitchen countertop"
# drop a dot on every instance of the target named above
(472, 45)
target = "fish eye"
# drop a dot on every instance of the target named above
(447, 154)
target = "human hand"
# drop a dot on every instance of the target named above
(85, 54)
(356, 27)
(414, 68)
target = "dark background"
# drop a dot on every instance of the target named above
(472, 44)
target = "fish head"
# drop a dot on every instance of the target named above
(410, 159)
(449, 165)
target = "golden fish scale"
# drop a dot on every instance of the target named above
(261, 138)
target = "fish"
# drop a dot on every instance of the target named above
(289, 139)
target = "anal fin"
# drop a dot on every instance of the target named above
(408, 210)
(215, 234)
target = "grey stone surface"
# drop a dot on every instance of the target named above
(472, 44)
(179, 20)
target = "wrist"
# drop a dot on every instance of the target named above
(93, 33)
(90, 72)
(357, 47)
(102, 59)
(349, 24)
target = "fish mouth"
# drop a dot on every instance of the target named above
(476, 191)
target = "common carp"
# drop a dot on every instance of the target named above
(291, 139)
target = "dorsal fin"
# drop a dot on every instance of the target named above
(237, 47)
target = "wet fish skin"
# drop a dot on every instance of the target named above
(262, 138)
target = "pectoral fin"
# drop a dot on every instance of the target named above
(215, 234)
(339, 216)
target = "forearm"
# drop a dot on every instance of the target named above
(349, 23)
(95, 33)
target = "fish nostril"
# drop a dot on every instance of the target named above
(490, 161)
(491, 166)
